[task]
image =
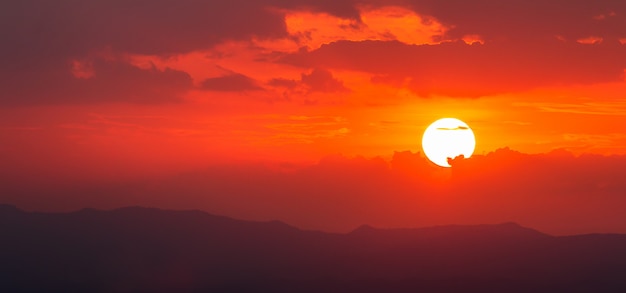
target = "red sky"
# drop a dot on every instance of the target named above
(111, 103)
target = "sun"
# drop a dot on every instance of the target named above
(448, 138)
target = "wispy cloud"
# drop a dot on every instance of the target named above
(453, 128)
(21, 128)
(616, 108)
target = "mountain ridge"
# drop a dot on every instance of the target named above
(146, 249)
(363, 227)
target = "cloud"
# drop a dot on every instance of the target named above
(70, 28)
(453, 128)
(230, 83)
(513, 53)
(41, 37)
(318, 80)
(526, 20)
(345, 9)
(310, 29)
(37, 31)
(462, 70)
(107, 81)
(283, 82)
(616, 107)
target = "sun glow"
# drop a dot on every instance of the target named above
(448, 138)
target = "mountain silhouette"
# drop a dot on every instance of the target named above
(149, 250)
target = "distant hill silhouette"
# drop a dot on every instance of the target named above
(148, 250)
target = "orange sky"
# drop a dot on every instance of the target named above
(106, 90)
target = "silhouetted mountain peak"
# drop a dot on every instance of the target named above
(5, 208)
(518, 227)
(508, 229)
(363, 229)
(510, 224)
(280, 224)
(515, 227)
(88, 210)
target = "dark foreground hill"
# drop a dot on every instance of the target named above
(149, 250)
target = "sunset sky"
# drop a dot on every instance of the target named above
(312, 112)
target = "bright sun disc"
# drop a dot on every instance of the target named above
(448, 138)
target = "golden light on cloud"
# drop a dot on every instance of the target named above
(82, 69)
(385, 23)
(471, 39)
(402, 24)
(590, 40)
